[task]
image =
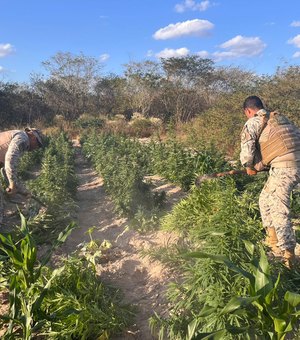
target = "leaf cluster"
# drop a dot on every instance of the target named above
(181, 165)
(123, 164)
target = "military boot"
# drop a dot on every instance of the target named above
(271, 241)
(289, 258)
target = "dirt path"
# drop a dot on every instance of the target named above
(142, 281)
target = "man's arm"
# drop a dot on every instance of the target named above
(249, 139)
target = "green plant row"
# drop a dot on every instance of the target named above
(56, 187)
(123, 164)
(218, 222)
(57, 180)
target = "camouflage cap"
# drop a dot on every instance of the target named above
(37, 133)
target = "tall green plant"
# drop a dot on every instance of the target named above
(180, 165)
(122, 163)
(215, 218)
(270, 312)
(26, 283)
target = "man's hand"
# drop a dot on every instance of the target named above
(11, 190)
(260, 166)
(251, 172)
(20, 189)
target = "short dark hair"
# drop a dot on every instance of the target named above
(253, 102)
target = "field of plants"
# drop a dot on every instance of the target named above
(73, 256)
(230, 287)
(227, 285)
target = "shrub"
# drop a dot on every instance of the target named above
(85, 122)
(141, 128)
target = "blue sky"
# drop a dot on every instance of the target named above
(256, 35)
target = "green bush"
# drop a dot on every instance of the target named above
(89, 122)
(141, 128)
(215, 219)
(180, 165)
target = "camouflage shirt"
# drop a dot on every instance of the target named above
(18, 145)
(250, 152)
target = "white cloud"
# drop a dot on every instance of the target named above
(295, 24)
(202, 54)
(6, 49)
(295, 41)
(192, 5)
(196, 27)
(1, 69)
(240, 46)
(171, 53)
(296, 54)
(104, 57)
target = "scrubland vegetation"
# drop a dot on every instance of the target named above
(189, 109)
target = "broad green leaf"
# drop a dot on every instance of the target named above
(65, 233)
(238, 302)
(263, 284)
(292, 298)
(207, 310)
(263, 262)
(192, 327)
(249, 247)
(280, 325)
(289, 327)
(221, 259)
(218, 335)
(269, 297)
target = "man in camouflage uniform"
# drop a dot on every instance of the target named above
(270, 140)
(13, 144)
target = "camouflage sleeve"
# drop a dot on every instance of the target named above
(249, 139)
(18, 145)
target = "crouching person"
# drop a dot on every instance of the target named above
(13, 144)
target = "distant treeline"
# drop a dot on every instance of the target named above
(174, 89)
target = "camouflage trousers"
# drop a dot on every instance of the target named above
(274, 204)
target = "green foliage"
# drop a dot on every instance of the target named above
(123, 164)
(26, 283)
(141, 128)
(190, 69)
(215, 218)
(229, 290)
(57, 181)
(67, 302)
(81, 306)
(269, 313)
(144, 220)
(56, 187)
(281, 92)
(28, 161)
(180, 165)
(220, 125)
(85, 122)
